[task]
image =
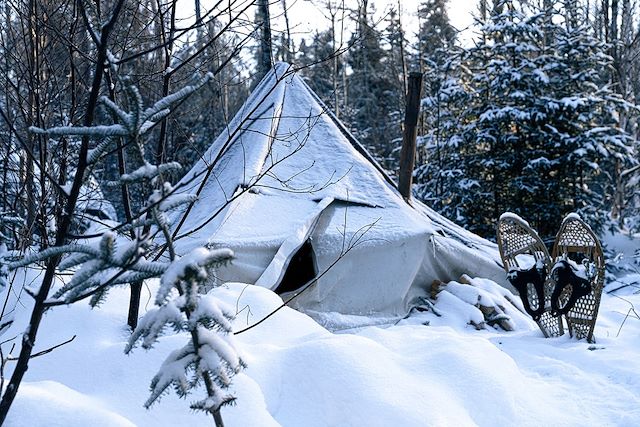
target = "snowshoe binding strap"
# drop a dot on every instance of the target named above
(521, 279)
(565, 275)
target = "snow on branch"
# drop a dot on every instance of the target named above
(210, 356)
(133, 124)
(95, 132)
(165, 103)
(148, 171)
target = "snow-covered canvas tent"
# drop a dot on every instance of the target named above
(295, 196)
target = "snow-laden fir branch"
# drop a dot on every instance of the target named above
(148, 172)
(210, 356)
(132, 124)
(169, 100)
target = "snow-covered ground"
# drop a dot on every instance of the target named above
(300, 374)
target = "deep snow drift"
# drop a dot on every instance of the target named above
(404, 374)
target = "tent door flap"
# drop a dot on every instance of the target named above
(275, 271)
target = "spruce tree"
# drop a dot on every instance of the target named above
(443, 104)
(539, 134)
(375, 93)
(436, 35)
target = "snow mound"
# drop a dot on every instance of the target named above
(49, 403)
(299, 373)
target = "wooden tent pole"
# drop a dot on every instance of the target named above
(408, 151)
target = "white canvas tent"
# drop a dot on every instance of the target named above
(290, 190)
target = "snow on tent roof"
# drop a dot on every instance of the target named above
(283, 141)
(279, 119)
(284, 172)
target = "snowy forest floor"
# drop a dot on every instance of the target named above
(300, 374)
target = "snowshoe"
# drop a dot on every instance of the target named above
(526, 261)
(578, 288)
(567, 281)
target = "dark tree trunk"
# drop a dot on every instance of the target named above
(40, 306)
(265, 63)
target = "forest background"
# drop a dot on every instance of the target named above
(532, 109)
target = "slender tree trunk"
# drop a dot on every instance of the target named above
(29, 337)
(605, 19)
(197, 10)
(32, 59)
(403, 62)
(217, 418)
(548, 16)
(334, 74)
(289, 46)
(136, 287)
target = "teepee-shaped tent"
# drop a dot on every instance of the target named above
(291, 191)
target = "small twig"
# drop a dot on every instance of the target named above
(43, 352)
(3, 363)
(624, 285)
(623, 322)
(297, 294)
(632, 309)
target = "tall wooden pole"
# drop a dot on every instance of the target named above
(408, 151)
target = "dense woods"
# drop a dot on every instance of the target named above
(534, 110)
(535, 114)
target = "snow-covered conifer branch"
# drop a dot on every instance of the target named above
(147, 172)
(115, 109)
(166, 102)
(51, 252)
(197, 261)
(94, 154)
(210, 356)
(95, 132)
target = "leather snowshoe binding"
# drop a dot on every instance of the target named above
(526, 261)
(522, 279)
(567, 281)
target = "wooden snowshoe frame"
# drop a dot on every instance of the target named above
(577, 242)
(515, 237)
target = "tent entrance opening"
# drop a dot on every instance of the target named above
(301, 269)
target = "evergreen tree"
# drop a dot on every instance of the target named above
(397, 59)
(369, 112)
(439, 160)
(539, 135)
(436, 35)
(316, 61)
(442, 106)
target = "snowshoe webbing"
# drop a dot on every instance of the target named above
(564, 275)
